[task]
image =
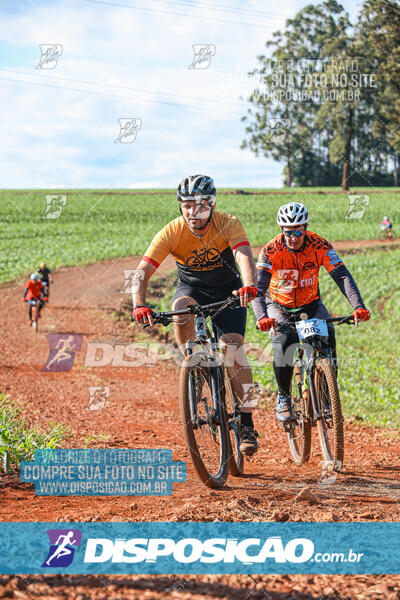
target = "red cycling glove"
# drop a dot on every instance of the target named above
(250, 290)
(266, 323)
(141, 312)
(361, 314)
(45, 299)
(24, 300)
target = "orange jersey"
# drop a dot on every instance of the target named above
(206, 261)
(294, 275)
(34, 289)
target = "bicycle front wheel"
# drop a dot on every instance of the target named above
(35, 314)
(299, 433)
(204, 420)
(330, 425)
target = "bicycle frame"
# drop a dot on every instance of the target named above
(309, 365)
(316, 348)
(209, 343)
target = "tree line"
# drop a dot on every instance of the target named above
(326, 100)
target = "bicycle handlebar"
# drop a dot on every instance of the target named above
(349, 320)
(165, 318)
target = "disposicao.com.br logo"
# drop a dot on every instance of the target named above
(190, 550)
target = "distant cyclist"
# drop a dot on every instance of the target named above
(34, 290)
(386, 226)
(45, 275)
(288, 268)
(206, 245)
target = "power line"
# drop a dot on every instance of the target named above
(121, 87)
(169, 12)
(95, 93)
(224, 8)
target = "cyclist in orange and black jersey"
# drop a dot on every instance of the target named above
(208, 247)
(288, 268)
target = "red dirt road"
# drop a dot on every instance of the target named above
(142, 411)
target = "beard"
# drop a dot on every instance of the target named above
(200, 222)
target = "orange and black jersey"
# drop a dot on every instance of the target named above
(205, 261)
(290, 277)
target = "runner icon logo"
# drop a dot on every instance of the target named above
(50, 54)
(62, 351)
(203, 54)
(54, 206)
(128, 130)
(63, 543)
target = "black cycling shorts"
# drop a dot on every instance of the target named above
(230, 320)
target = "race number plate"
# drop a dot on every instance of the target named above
(311, 327)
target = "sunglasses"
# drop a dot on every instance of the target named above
(293, 233)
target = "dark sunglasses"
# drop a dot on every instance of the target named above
(293, 233)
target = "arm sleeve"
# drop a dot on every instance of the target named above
(264, 273)
(25, 293)
(235, 233)
(160, 247)
(345, 282)
(330, 258)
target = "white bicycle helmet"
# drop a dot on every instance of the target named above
(35, 276)
(292, 213)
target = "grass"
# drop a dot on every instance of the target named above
(369, 367)
(18, 441)
(97, 225)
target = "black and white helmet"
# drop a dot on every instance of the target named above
(199, 185)
(292, 213)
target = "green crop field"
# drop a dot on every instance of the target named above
(96, 225)
(369, 360)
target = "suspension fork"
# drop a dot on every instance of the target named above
(192, 385)
(312, 390)
(217, 378)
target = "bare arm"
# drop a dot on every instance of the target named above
(144, 272)
(244, 258)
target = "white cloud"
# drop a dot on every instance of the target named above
(61, 127)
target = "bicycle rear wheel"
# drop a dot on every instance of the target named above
(204, 420)
(236, 458)
(299, 433)
(330, 426)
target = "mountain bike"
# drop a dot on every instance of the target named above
(386, 234)
(209, 411)
(314, 393)
(35, 313)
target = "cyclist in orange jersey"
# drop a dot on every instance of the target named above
(34, 291)
(288, 268)
(207, 246)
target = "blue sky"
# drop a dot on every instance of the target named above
(124, 59)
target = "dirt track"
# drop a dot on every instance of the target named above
(142, 412)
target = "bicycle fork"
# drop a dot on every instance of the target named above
(309, 383)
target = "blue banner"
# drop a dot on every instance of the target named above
(200, 548)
